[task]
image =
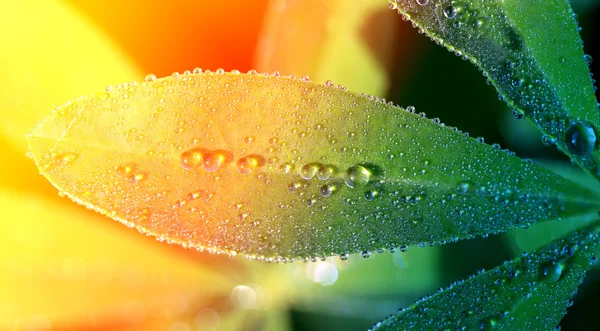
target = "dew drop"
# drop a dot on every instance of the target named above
(327, 190)
(450, 12)
(192, 158)
(548, 140)
(371, 195)
(422, 2)
(462, 187)
(212, 161)
(150, 77)
(308, 171)
(487, 324)
(551, 272)
(580, 138)
(130, 173)
(357, 175)
(324, 172)
(250, 163)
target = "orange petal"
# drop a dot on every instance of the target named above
(167, 36)
(349, 42)
(63, 267)
(51, 53)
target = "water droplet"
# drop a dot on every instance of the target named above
(450, 12)
(212, 161)
(462, 187)
(580, 138)
(150, 77)
(357, 175)
(130, 173)
(518, 114)
(371, 195)
(192, 158)
(286, 167)
(548, 140)
(249, 163)
(308, 171)
(324, 172)
(422, 2)
(249, 139)
(551, 272)
(588, 59)
(487, 324)
(327, 190)
(366, 254)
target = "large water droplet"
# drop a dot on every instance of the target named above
(250, 163)
(580, 138)
(357, 175)
(193, 158)
(308, 171)
(214, 160)
(324, 172)
(551, 272)
(450, 12)
(422, 2)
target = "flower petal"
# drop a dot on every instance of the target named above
(350, 42)
(61, 266)
(51, 53)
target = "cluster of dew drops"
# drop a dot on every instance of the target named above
(580, 136)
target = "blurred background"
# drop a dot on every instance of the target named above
(63, 267)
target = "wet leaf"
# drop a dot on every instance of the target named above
(276, 167)
(529, 293)
(532, 53)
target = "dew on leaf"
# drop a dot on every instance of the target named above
(250, 163)
(356, 176)
(308, 171)
(551, 272)
(450, 12)
(214, 160)
(580, 138)
(192, 158)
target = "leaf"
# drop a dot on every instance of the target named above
(531, 52)
(278, 167)
(349, 42)
(529, 293)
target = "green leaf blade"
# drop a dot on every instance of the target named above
(532, 53)
(278, 168)
(529, 293)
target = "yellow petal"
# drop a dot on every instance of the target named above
(67, 268)
(349, 42)
(50, 54)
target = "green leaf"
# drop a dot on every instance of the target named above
(532, 53)
(275, 167)
(529, 293)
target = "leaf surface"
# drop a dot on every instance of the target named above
(529, 293)
(532, 53)
(277, 167)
